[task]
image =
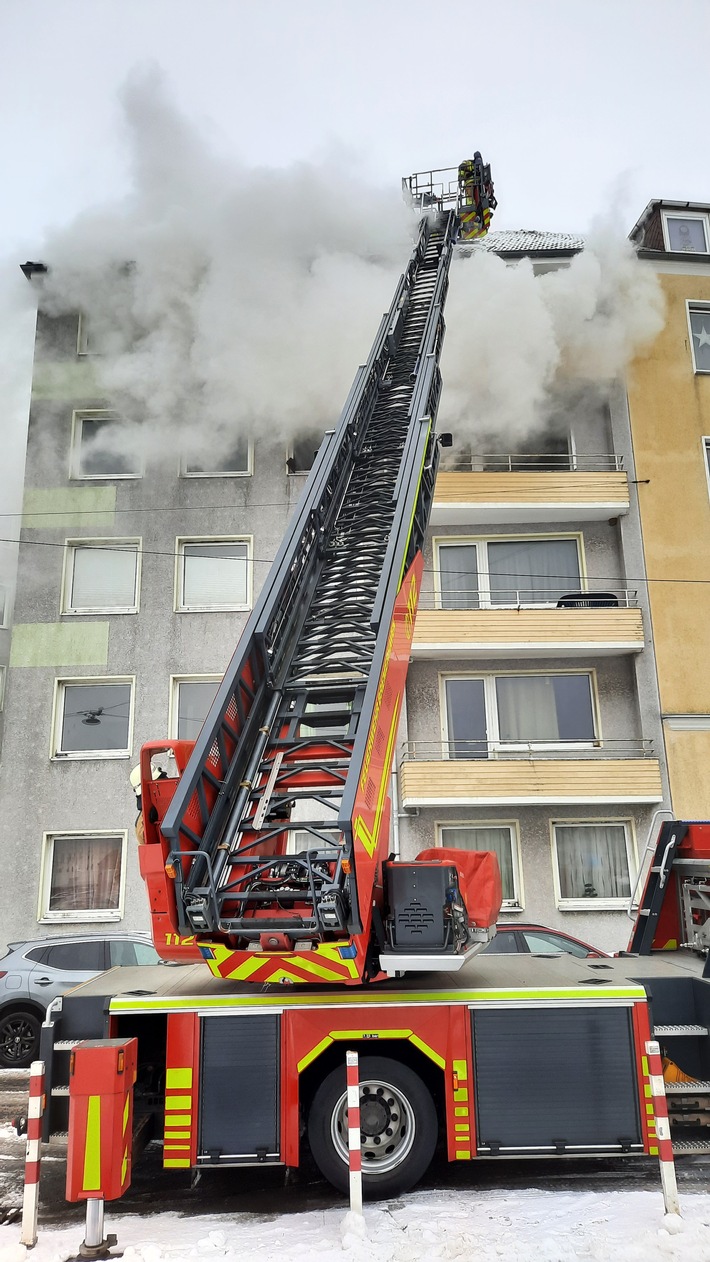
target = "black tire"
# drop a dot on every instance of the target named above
(19, 1039)
(399, 1128)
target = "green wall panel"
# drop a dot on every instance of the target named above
(59, 644)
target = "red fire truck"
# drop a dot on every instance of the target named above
(266, 860)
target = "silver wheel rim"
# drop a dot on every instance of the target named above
(387, 1126)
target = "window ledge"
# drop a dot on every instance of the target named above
(72, 917)
(592, 904)
(90, 613)
(213, 609)
(94, 755)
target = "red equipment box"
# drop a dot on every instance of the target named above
(101, 1078)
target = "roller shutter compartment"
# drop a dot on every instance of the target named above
(239, 1096)
(555, 1079)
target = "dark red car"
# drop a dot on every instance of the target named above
(517, 939)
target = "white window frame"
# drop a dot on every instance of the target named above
(70, 547)
(5, 609)
(496, 746)
(44, 915)
(480, 543)
(180, 542)
(594, 904)
(691, 307)
(173, 702)
(79, 415)
(60, 686)
(517, 903)
(2, 688)
(697, 215)
(222, 473)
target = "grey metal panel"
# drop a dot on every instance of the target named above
(239, 1097)
(555, 1078)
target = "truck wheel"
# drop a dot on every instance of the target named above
(19, 1039)
(398, 1128)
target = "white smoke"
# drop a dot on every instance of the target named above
(227, 302)
(516, 343)
(222, 300)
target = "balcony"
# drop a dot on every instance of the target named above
(500, 489)
(602, 773)
(580, 624)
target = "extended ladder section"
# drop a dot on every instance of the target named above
(271, 841)
(674, 908)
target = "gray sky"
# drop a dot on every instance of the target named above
(578, 104)
(573, 101)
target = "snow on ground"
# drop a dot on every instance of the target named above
(470, 1226)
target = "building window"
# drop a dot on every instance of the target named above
(93, 718)
(493, 713)
(82, 876)
(544, 453)
(103, 447)
(592, 863)
(502, 839)
(236, 461)
(190, 701)
(303, 451)
(101, 576)
(212, 574)
(481, 573)
(686, 234)
(699, 320)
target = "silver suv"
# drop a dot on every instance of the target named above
(33, 973)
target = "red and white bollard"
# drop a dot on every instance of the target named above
(35, 1109)
(663, 1128)
(354, 1148)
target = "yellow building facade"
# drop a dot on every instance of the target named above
(669, 405)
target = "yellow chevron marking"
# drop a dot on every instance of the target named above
(126, 1111)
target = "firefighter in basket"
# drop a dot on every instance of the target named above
(476, 197)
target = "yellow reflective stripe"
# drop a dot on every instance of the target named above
(174, 1102)
(461, 1069)
(653, 1152)
(180, 1119)
(169, 1135)
(462, 1126)
(460, 1112)
(316, 1051)
(177, 1147)
(124, 1167)
(461, 1094)
(650, 1110)
(92, 1148)
(464, 1155)
(369, 839)
(126, 1111)
(176, 1003)
(178, 1079)
(171, 1162)
(644, 1064)
(647, 1090)
(428, 1051)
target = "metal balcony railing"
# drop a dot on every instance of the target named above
(557, 597)
(532, 462)
(477, 750)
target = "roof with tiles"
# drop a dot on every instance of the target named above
(521, 241)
